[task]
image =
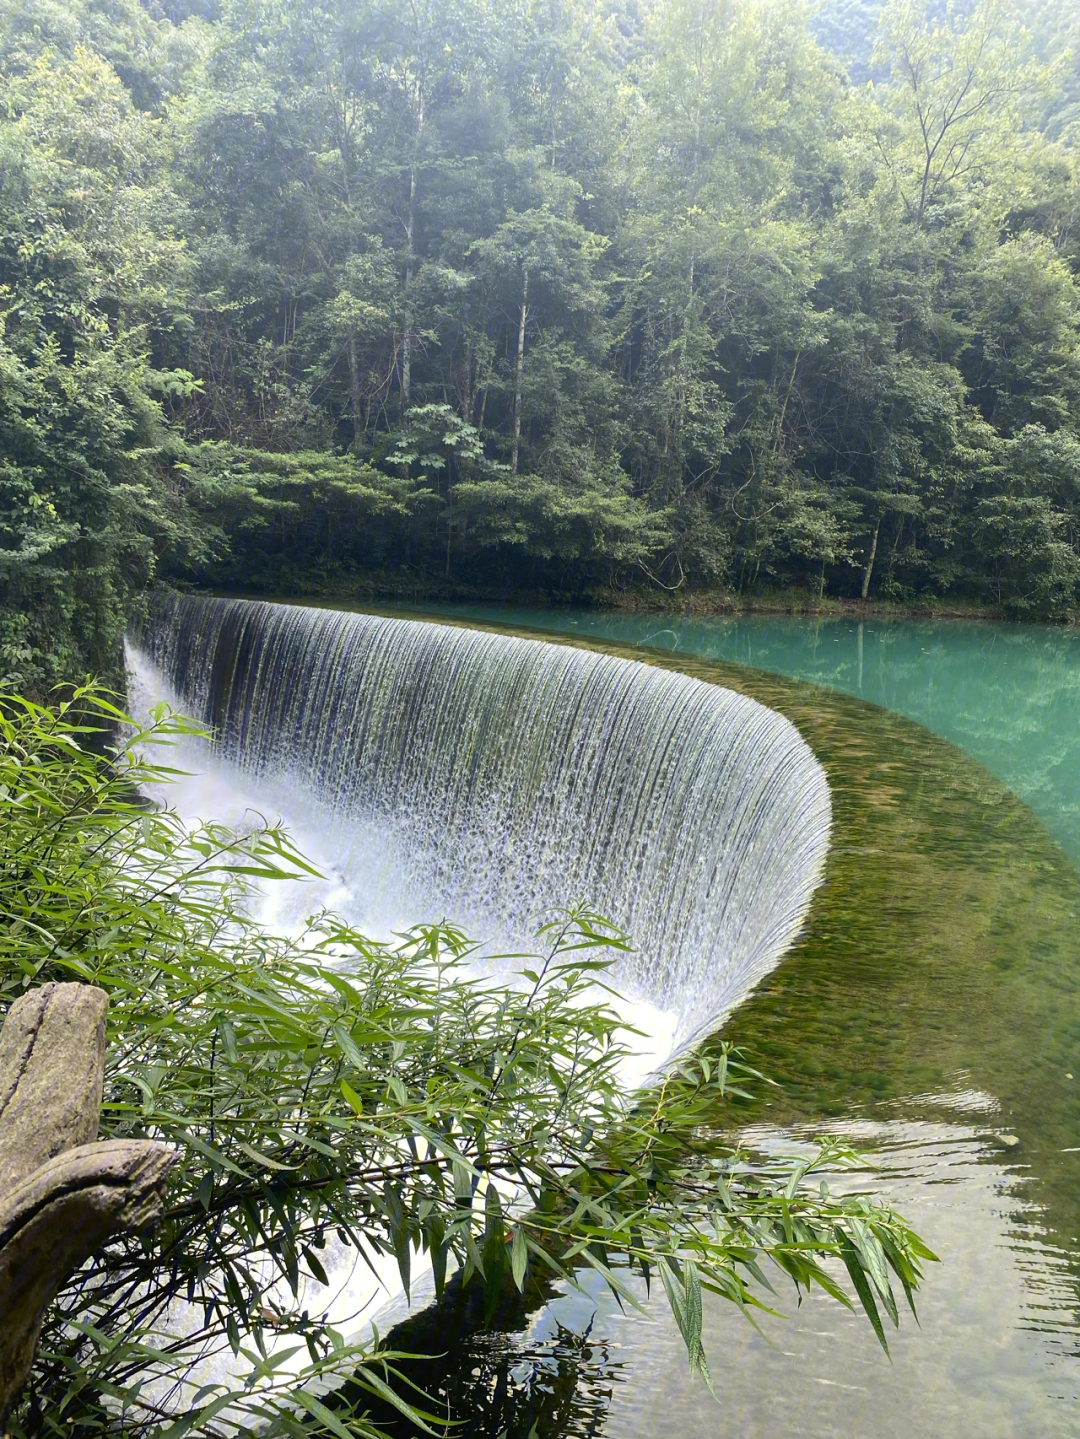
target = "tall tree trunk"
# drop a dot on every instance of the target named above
(449, 512)
(869, 570)
(519, 370)
(354, 383)
(778, 437)
(410, 230)
(406, 339)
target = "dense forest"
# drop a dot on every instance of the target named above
(490, 297)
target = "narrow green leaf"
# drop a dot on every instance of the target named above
(519, 1258)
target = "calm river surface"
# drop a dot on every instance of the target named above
(930, 1013)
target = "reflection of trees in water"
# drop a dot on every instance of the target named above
(486, 1379)
(557, 1387)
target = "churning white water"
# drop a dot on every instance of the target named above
(439, 772)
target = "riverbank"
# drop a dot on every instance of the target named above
(802, 603)
(791, 601)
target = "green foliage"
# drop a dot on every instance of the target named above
(528, 299)
(86, 259)
(333, 1096)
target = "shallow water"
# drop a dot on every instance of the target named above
(983, 1365)
(993, 1358)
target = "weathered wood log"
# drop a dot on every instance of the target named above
(61, 1194)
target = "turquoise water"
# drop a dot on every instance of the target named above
(1007, 694)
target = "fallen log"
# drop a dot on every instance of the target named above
(62, 1194)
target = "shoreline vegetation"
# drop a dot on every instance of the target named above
(805, 603)
(796, 603)
(802, 606)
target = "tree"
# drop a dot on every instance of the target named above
(958, 86)
(557, 257)
(695, 290)
(86, 265)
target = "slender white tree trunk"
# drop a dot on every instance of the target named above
(519, 370)
(870, 559)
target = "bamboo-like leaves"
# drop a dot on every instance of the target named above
(684, 1296)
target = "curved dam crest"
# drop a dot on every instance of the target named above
(508, 776)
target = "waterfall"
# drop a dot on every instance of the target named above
(507, 776)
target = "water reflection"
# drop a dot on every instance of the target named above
(994, 1357)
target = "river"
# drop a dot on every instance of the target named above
(1009, 695)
